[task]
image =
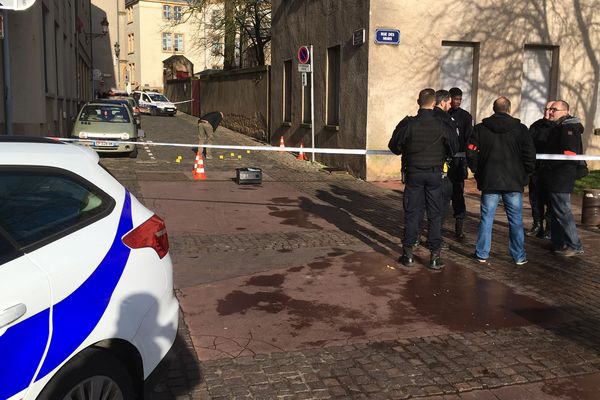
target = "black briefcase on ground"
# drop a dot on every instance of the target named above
(248, 175)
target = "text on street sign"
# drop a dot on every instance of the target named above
(304, 68)
(387, 36)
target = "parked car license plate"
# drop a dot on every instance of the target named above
(104, 143)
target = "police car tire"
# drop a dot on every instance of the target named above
(87, 364)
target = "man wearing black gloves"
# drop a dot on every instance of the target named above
(558, 178)
(538, 199)
(424, 144)
(458, 167)
(502, 156)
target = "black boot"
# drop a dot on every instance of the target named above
(535, 229)
(436, 262)
(407, 258)
(458, 228)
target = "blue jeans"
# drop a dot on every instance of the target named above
(513, 204)
(564, 230)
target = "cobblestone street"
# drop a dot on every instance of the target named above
(291, 289)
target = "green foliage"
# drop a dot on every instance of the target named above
(592, 181)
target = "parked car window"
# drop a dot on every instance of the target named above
(38, 205)
(157, 97)
(104, 113)
(146, 98)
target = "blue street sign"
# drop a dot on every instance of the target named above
(387, 36)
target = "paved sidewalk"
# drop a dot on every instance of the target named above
(291, 290)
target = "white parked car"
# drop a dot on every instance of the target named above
(86, 292)
(154, 103)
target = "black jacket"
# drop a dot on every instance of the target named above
(213, 118)
(464, 122)
(424, 140)
(565, 138)
(539, 132)
(501, 154)
(451, 127)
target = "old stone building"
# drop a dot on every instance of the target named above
(529, 51)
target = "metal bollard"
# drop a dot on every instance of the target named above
(590, 209)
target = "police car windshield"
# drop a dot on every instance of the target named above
(157, 97)
(104, 113)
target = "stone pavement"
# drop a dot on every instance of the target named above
(291, 290)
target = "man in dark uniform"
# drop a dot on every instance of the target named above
(558, 178)
(458, 168)
(440, 111)
(207, 125)
(538, 199)
(424, 145)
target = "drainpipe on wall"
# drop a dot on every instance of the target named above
(8, 106)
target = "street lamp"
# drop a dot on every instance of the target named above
(117, 48)
(104, 24)
(92, 36)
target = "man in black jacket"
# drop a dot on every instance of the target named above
(424, 145)
(502, 156)
(558, 178)
(458, 167)
(538, 199)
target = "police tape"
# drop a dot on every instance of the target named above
(186, 101)
(317, 150)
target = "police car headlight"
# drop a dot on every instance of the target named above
(124, 136)
(83, 135)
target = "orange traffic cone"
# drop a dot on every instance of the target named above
(301, 155)
(198, 171)
(281, 144)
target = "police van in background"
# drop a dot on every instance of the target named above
(154, 103)
(87, 309)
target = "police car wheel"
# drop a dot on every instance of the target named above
(92, 374)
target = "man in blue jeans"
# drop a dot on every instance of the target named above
(558, 178)
(501, 154)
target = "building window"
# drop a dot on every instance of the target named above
(178, 41)
(539, 81)
(167, 41)
(166, 12)
(130, 43)
(129, 15)
(177, 13)
(131, 74)
(333, 86)
(459, 67)
(287, 91)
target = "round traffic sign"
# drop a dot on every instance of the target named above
(303, 55)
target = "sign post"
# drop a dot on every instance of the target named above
(306, 65)
(312, 106)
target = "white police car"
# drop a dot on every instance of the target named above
(87, 309)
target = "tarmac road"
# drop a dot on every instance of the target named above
(291, 290)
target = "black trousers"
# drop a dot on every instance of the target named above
(458, 174)
(423, 188)
(446, 198)
(538, 198)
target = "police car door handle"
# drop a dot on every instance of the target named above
(12, 314)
